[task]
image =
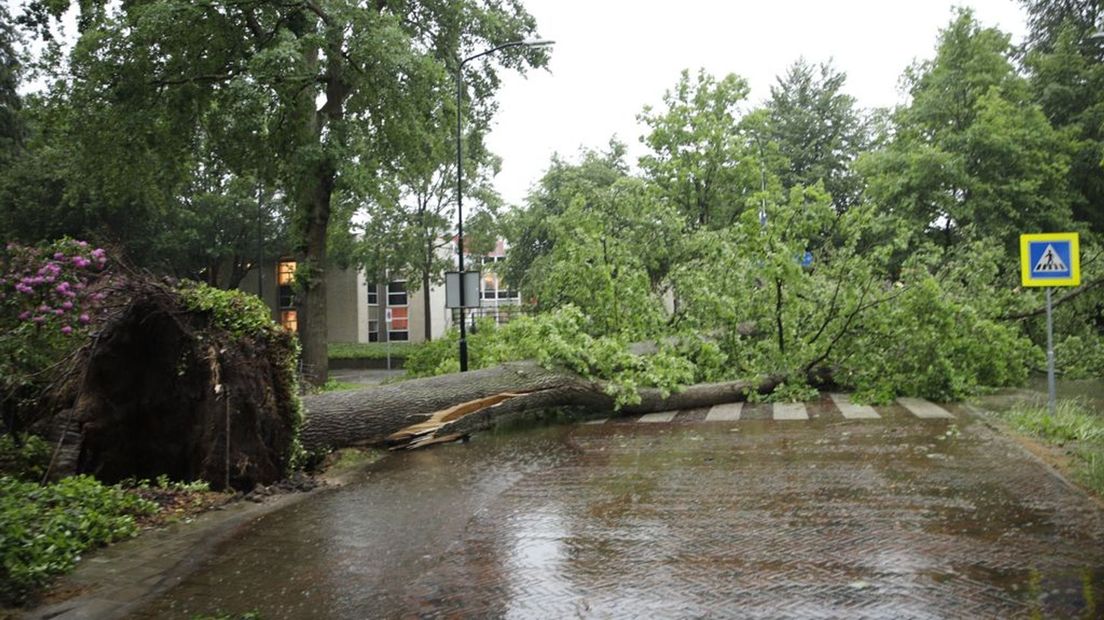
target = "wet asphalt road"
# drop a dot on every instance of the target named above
(895, 517)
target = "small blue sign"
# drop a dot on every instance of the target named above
(1050, 259)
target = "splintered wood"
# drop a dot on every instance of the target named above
(423, 433)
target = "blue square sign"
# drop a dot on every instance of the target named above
(1050, 259)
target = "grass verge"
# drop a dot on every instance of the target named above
(369, 350)
(1075, 427)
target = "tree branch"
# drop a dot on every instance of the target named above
(1061, 300)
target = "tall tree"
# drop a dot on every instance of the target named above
(1066, 66)
(327, 89)
(972, 157)
(529, 229)
(10, 68)
(818, 129)
(1047, 18)
(699, 157)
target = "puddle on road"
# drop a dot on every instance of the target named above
(750, 519)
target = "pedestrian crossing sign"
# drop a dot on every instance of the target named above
(1050, 259)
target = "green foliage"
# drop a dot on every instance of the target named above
(559, 338)
(333, 385)
(1066, 67)
(1080, 357)
(972, 157)
(926, 343)
(530, 229)
(25, 458)
(817, 130)
(610, 253)
(163, 483)
(699, 160)
(45, 529)
(238, 313)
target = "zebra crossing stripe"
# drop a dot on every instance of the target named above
(850, 410)
(729, 412)
(924, 409)
(662, 416)
(790, 411)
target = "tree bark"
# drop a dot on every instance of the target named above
(371, 416)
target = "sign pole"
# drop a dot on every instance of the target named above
(1051, 387)
(387, 321)
(1049, 260)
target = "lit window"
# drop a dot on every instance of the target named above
(289, 319)
(285, 273)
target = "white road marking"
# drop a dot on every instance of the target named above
(850, 410)
(924, 409)
(662, 416)
(729, 412)
(790, 411)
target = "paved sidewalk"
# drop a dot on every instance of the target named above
(113, 581)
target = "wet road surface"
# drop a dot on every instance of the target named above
(744, 516)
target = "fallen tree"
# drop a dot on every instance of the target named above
(179, 380)
(420, 412)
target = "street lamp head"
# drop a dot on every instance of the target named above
(538, 43)
(1097, 36)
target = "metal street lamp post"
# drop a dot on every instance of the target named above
(460, 186)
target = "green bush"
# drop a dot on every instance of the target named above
(26, 459)
(44, 529)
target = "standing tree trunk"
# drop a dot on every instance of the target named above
(324, 127)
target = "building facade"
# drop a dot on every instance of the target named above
(357, 310)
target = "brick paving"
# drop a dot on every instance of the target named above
(889, 517)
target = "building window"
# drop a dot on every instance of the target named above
(396, 293)
(373, 295)
(289, 319)
(373, 330)
(489, 286)
(285, 296)
(285, 272)
(400, 324)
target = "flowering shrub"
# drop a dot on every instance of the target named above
(47, 302)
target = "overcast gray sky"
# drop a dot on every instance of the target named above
(612, 57)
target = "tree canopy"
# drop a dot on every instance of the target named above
(312, 99)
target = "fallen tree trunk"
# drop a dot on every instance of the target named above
(466, 402)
